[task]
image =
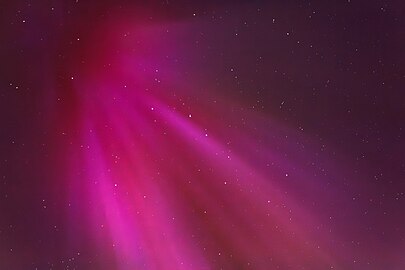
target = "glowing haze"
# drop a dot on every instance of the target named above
(174, 136)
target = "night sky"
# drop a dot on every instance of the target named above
(202, 135)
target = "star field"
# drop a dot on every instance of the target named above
(202, 135)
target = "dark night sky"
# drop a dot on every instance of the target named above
(202, 135)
